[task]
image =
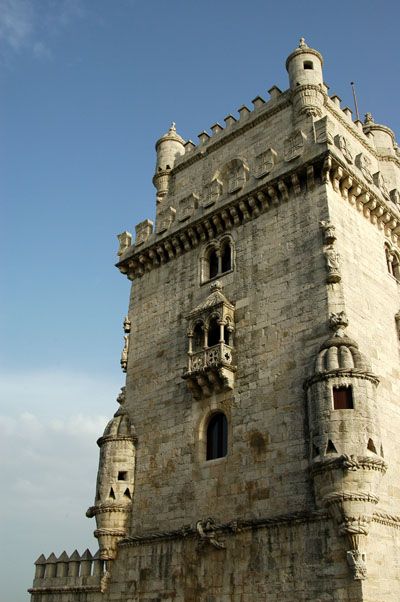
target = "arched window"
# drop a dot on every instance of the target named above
(226, 257)
(198, 338)
(217, 437)
(213, 332)
(213, 263)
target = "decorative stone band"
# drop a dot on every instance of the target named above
(232, 527)
(390, 520)
(224, 217)
(65, 590)
(350, 463)
(102, 440)
(340, 373)
(108, 507)
(113, 532)
(354, 496)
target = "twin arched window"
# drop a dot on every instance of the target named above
(217, 437)
(218, 259)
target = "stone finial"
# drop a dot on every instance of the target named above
(173, 127)
(368, 118)
(329, 232)
(302, 43)
(121, 396)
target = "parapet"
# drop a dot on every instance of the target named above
(83, 573)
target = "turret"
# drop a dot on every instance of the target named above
(383, 137)
(115, 482)
(168, 147)
(304, 66)
(346, 451)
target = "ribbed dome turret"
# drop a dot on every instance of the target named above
(172, 134)
(119, 426)
(340, 352)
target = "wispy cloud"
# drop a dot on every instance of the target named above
(26, 25)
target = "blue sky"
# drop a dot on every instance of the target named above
(87, 87)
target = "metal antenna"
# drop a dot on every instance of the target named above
(355, 100)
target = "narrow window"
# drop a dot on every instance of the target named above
(122, 475)
(389, 259)
(127, 494)
(396, 266)
(111, 494)
(226, 257)
(371, 446)
(213, 333)
(217, 437)
(342, 398)
(213, 263)
(198, 338)
(308, 65)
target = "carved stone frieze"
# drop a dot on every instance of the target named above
(187, 206)
(294, 145)
(364, 163)
(125, 241)
(380, 182)
(329, 232)
(206, 531)
(357, 563)
(332, 259)
(143, 231)
(265, 162)
(324, 130)
(213, 192)
(165, 219)
(344, 146)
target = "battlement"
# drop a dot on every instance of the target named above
(68, 573)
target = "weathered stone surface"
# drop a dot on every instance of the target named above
(305, 505)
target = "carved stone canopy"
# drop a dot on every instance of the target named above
(215, 304)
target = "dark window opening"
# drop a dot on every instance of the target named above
(112, 494)
(342, 398)
(127, 493)
(198, 338)
(371, 446)
(308, 65)
(217, 437)
(213, 263)
(396, 267)
(227, 336)
(226, 259)
(213, 333)
(330, 448)
(315, 451)
(122, 475)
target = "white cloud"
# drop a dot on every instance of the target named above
(16, 22)
(29, 25)
(49, 424)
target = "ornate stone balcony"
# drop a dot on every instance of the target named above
(210, 369)
(210, 354)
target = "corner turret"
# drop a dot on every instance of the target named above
(304, 66)
(168, 147)
(115, 482)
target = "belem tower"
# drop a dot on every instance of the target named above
(254, 455)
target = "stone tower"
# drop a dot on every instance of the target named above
(254, 454)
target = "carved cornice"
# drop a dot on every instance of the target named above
(390, 520)
(232, 527)
(223, 218)
(108, 438)
(352, 373)
(64, 590)
(349, 463)
(353, 496)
